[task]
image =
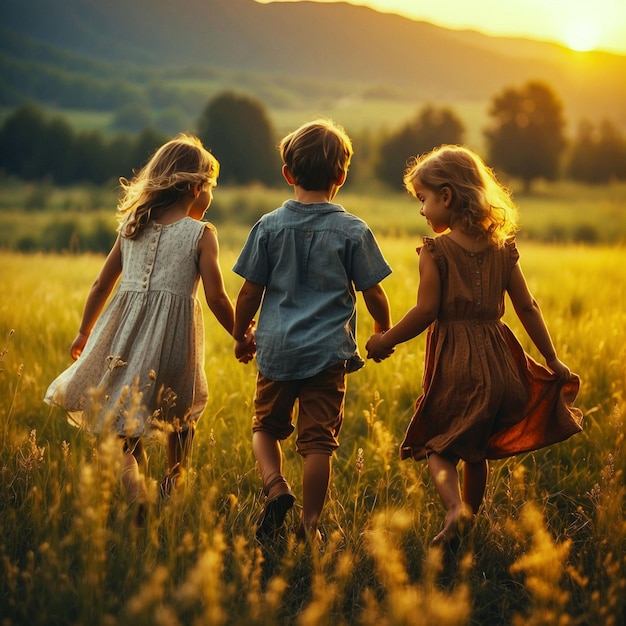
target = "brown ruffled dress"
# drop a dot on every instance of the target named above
(484, 397)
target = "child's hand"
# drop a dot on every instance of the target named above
(78, 345)
(559, 368)
(244, 352)
(246, 349)
(375, 348)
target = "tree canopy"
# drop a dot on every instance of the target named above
(598, 154)
(526, 139)
(237, 130)
(33, 147)
(430, 128)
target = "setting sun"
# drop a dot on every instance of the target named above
(581, 35)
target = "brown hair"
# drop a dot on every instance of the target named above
(317, 154)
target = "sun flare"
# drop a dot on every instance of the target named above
(582, 36)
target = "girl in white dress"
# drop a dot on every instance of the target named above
(139, 361)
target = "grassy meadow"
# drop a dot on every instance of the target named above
(549, 546)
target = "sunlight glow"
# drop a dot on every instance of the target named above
(582, 35)
(579, 24)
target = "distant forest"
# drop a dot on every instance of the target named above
(527, 144)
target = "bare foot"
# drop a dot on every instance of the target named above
(308, 534)
(458, 520)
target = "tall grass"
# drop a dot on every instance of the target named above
(549, 546)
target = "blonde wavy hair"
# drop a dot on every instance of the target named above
(171, 173)
(482, 204)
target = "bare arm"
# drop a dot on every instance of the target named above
(418, 318)
(98, 295)
(377, 304)
(248, 302)
(213, 281)
(533, 322)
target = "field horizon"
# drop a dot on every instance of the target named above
(44, 217)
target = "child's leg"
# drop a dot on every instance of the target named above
(273, 406)
(178, 448)
(474, 483)
(132, 477)
(444, 473)
(135, 446)
(446, 477)
(279, 499)
(315, 487)
(319, 423)
(269, 457)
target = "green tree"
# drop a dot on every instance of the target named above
(94, 162)
(431, 127)
(145, 145)
(33, 147)
(598, 155)
(611, 151)
(20, 141)
(582, 163)
(237, 129)
(57, 151)
(526, 139)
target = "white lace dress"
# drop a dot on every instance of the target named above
(144, 361)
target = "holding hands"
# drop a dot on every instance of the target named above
(376, 348)
(245, 349)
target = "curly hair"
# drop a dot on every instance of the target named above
(170, 174)
(480, 201)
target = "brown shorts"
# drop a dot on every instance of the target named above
(320, 409)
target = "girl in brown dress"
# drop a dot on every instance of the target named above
(484, 397)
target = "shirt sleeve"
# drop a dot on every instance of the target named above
(253, 263)
(369, 266)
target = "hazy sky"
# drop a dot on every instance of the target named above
(579, 24)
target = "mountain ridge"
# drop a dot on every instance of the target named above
(322, 42)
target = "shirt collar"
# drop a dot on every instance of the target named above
(316, 207)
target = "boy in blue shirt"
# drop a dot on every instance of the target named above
(304, 261)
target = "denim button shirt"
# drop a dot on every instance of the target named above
(311, 258)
